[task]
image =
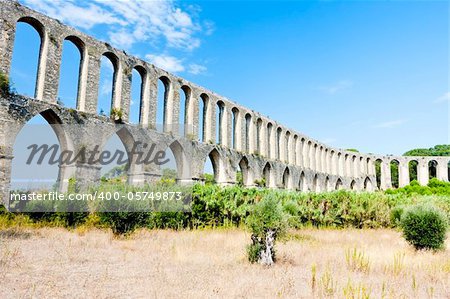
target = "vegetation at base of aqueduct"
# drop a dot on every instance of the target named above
(215, 206)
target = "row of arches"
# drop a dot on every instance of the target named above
(396, 173)
(178, 107)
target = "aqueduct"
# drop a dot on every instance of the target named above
(246, 140)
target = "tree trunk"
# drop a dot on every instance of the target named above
(267, 253)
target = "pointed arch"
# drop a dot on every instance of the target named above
(353, 185)
(286, 179)
(186, 118)
(247, 179)
(267, 174)
(338, 185)
(137, 92)
(215, 158)
(368, 184)
(302, 184)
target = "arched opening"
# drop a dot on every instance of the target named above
(394, 173)
(219, 122)
(119, 168)
(287, 148)
(286, 180)
(175, 168)
(378, 164)
(297, 150)
(368, 184)
(234, 125)
(338, 185)
(302, 186)
(185, 117)
(328, 187)
(137, 92)
(259, 136)
(352, 185)
(279, 143)
(70, 71)
(269, 140)
(315, 184)
(448, 171)
(432, 169)
(243, 176)
(212, 167)
(162, 106)
(202, 109)
(267, 175)
(108, 73)
(248, 120)
(26, 56)
(42, 130)
(412, 169)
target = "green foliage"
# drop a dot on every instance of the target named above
(434, 187)
(424, 227)
(253, 252)
(5, 86)
(352, 150)
(124, 222)
(267, 215)
(116, 114)
(438, 150)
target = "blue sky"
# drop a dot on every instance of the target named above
(370, 75)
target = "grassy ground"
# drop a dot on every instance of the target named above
(350, 263)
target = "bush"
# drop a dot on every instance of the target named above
(424, 227)
(396, 215)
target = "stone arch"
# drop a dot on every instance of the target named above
(216, 161)
(297, 150)
(220, 129)
(259, 138)
(339, 184)
(286, 179)
(328, 187)
(287, 157)
(65, 169)
(164, 105)
(413, 169)
(187, 116)
(316, 184)
(109, 103)
(378, 172)
(267, 175)
(247, 178)
(136, 115)
(248, 132)
(432, 169)
(182, 164)
(39, 70)
(395, 173)
(235, 129)
(270, 145)
(368, 184)
(203, 117)
(353, 185)
(302, 183)
(79, 98)
(278, 144)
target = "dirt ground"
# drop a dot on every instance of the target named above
(56, 263)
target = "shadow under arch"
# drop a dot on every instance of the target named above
(267, 175)
(368, 186)
(66, 165)
(302, 184)
(183, 172)
(216, 159)
(245, 170)
(338, 185)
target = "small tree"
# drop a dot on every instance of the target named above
(424, 227)
(267, 223)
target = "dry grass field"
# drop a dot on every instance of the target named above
(56, 263)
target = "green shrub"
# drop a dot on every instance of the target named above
(124, 222)
(424, 227)
(396, 215)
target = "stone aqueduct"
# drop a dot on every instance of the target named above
(247, 140)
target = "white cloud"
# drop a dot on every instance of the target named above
(390, 124)
(130, 21)
(337, 87)
(196, 69)
(106, 87)
(166, 62)
(444, 98)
